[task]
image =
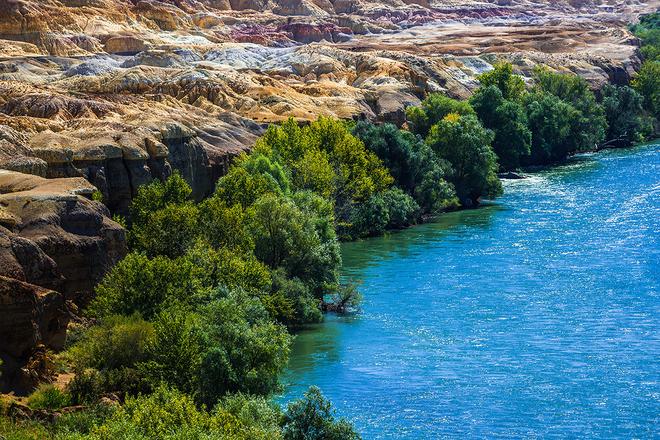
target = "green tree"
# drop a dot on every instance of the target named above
(625, 115)
(227, 267)
(286, 236)
(242, 185)
(647, 84)
(223, 225)
(550, 121)
(465, 143)
(312, 418)
(138, 284)
(588, 124)
(327, 159)
(291, 302)
(157, 195)
(116, 342)
(170, 231)
(432, 110)
(512, 87)
(246, 351)
(413, 164)
(391, 209)
(175, 351)
(508, 121)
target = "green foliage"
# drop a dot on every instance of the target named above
(88, 386)
(508, 121)
(463, 142)
(258, 417)
(413, 164)
(288, 237)
(647, 84)
(392, 209)
(108, 356)
(224, 225)
(587, 123)
(370, 218)
(550, 121)
(291, 302)
(252, 177)
(169, 232)
(48, 396)
(227, 267)
(432, 110)
(175, 351)
(168, 414)
(157, 195)
(312, 418)
(165, 414)
(648, 30)
(327, 159)
(146, 286)
(79, 424)
(246, 350)
(97, 196)
(401, 208)
(22, 430)
(511, 87)
(116, 342)
(164, 221)
(625, 115)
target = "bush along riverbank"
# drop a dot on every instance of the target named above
(187, 336)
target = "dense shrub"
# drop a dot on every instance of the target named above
(145, 285)
(587, 123)
(550, 121)
(288, 237)
(117, 341)
(508, 121)
(647, 84)
(312, 418)
(175, 351)
(157, 195)
(169, 232)
(413, 164)
(465, 144)
(432, 110)
(246, 351)
(252, 177)
(48, 396)
(648, 30)
(325, 158)
(291, 302)
(511, 87)
(624, 111)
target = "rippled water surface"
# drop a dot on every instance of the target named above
(535, 317)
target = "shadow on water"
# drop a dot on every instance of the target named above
(359, 255)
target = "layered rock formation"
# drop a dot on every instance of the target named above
(120, 92)
(109, 94)
(55, 245)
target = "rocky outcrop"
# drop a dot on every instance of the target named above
(55, 245)
(32, 319)
(54, 236)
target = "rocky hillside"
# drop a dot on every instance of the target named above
(110, 94)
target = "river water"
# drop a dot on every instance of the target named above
(536, 316)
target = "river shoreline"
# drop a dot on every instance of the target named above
(437, 348)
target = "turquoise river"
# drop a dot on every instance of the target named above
(536, 316)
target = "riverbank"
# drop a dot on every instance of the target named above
(532, 316)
